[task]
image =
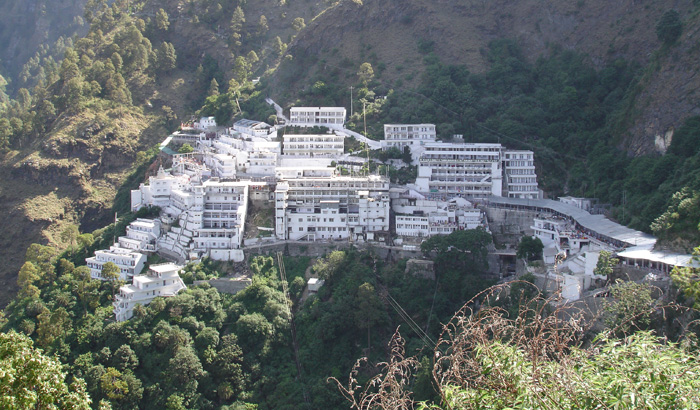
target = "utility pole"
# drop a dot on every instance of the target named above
(364, 116)
(351, 87)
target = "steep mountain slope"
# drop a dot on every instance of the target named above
(27, 25)
(395, 33)
(69, 144)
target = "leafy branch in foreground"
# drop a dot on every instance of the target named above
(388, 389)
(486, 359)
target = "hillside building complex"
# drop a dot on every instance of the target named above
(305, 188)
(477, 171)
(407, 135)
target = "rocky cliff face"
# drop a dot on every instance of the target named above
(394, 31)
(69, 178)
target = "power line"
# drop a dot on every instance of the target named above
(292, 326)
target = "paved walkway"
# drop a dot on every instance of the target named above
(278, 109)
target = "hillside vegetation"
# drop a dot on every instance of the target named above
(80, 119)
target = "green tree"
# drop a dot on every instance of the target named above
(326, 267)
(530, 248)
(167, 58)
(241, 69)
(298, 24)
(27, 277)
(688, 278)
(369, 309)
(670, 27)
(252, 57)
(31, 380)
(162, 20)
(185, 149)
(112, 274)
(631, 308)
(113, 384)
(185, 368)
(213, 88)
(237, 19)
(69, 235)
(125, 358)
(262, 26)
(365, 73)
(85, 240)
(605, 265)
(86, 288)
(236, 25)
(278, 46)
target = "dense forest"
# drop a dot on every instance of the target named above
(203, 349)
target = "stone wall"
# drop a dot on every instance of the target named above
(224, 285)
(318, 249)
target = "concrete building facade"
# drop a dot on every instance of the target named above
(477, 171)
(311, 145)
(161, 280)
(319, 208)
(317, 116)
(407, 135)
(129, 262)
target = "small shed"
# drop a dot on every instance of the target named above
(315, 284)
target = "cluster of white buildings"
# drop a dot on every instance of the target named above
(419, 217)
(204, 197)
(204, 200)
(130, 252)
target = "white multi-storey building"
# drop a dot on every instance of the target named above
(321, 208)
(222, 165)
(157, 191)
(141, 236)
(477, 170)
(332, 117)
(219, 214)
(206, 123)
(253, 128)
(312, 145)
(160, 281)
(424, 218)
(472, 170)
(407, 135)
(129, 262)
(520, 177)
(204, 216)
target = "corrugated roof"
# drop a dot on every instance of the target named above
(595, 223)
